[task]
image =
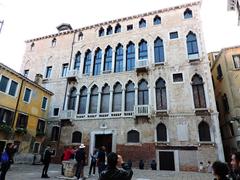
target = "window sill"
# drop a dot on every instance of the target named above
(206, 143)
(159, 63)
(133, 144)
(162, 143)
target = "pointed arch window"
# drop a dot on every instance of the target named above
(119, 59)
(161, 132)
(109, 30)
(32, 46)
(55, 133)
(192, 46)
(72, 99)
(108, 59)
(82, 101)
(161, 97)
(158, 50)
(77, 61)
(105, 99)
(87, 62)
(54, 42)
(129, 97)
(76, 137)
(101, 32)
(93, 100)
(142, 23)
(117, 98)
(142, 50)
(198, 92)
(156, 20)
(80, 36)
(143, 93)
(130, 56)
(133, 136)
(97, 62)
(204, 132)
(117, 28)
(187, 14)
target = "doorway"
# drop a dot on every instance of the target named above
(104, 140)
(166, 161)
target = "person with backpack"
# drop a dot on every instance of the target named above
(93, 162)
(5, 160)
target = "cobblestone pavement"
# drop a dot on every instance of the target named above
(33, 172)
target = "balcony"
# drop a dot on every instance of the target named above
(73, 74)
(142, 65)
(193, 57)
(142, 110)
(68, 115)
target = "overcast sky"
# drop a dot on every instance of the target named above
(27, 19)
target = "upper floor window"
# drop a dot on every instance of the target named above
(142, 92)
(117, 98)
(225, 103)
(178, 77)
(6, 116)
(48, 72)
(204, 131)
(198, 92)
(133, 136)
(64, 70)
(156, 20)
(236, 61)
(13, 88)
(76, 137)
(187, 14)
(105, 99)
(109, 30)
(27, 95)
(101, 32)
(161, 97)
(108, 59)
(26, 72)
(72, 99)
(32, 46)
(87, 62)
(54, 42)
(129, 27)
(22, 121)
(80, 36)
(192, 46)
(93, 100)
(161, 132)
(219, 72)
(142, 23)
(119, 58)
(173, 35)
(130, 56)
(129, 97)
(55, 133)
(3, 83)
(44, 103)
(55, 111)
(77, 61)
(142, 50)
(117, 28)
(41, 126)
(82, 101)
(97, 62)
(158, 50)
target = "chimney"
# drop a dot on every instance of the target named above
(38, 79)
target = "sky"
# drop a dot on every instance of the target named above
(28, 19)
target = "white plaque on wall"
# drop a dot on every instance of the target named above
(182, 131)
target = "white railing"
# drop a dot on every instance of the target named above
(73, 73)
(103, 114)
(68, 114)
(128, 113)
(116, 114)
(193, 57)
(142, 110)
(141, 63)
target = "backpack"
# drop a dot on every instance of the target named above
(4, 157)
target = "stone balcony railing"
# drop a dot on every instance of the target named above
(142, 110)
(68, 114)
(142, 63)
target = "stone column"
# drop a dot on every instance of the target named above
(124, 58)
(136, 55)
(77, 102)
(92, 64)
(113, 60)
(154, 99)
(99, 102)
(110, 101)
(66, 102)
(87, 103)
(102, 62)
(136, 96)
(123, 101)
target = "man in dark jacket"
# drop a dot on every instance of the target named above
(235, 163)
(112, 172)
(46, 161)
(80, 158)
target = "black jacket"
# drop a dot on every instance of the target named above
(117, 174)
(47, 156)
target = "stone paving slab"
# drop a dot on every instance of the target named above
(33, 172)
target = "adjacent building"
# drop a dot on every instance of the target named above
(225, 67)
(23, 111)
(139, 85)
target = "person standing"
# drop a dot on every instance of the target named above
(209, 167)
(46, 161)
(235, 163)
(6, 161)
(67, 155)
(80, 158)
(93, 163)
(220, 170)
(101, 159)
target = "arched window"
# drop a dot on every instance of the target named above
(156, 20)
(158, 50)
(198, 92)
(54, 42)
(192, 46)
(117, 98)
(117, 28)
(77, 61)
(97, 62)
(129, 97)
(76, 137)
(225, 103)
(108, 59)
(133, 136)
(72, 99)
(93, 100)
(32, 46)
(142, 23)
(105, 99)
(101, 32)
(80, 36)
(87, 62)
(82, 101)
(142, 93)
(109, 30)
(161, 97)
(55, 133)
(119, 59)
(187, 14)
(142, 50)
(130, 56)
(204, 132)
(161, 132)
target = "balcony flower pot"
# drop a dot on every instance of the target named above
(5, 128)
(21, 131)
